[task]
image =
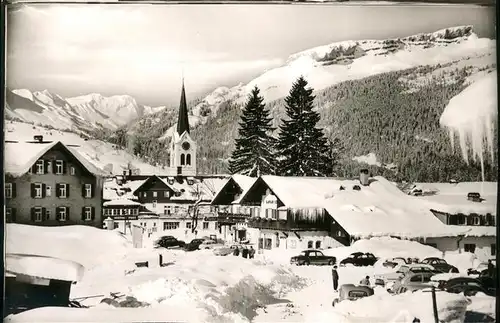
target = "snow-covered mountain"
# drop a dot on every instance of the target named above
(327, 65)
(79, 114)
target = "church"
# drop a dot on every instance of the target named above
(176, 204)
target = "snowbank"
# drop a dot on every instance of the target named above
(462, 261)
(43, 267)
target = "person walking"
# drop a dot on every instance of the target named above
(365, 281)
(244, 252)
(491, 268)
(335, 278)
(236, 251)
(251, 252)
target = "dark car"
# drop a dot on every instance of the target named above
(312, 257)
(469, 290)
(194, 244)
(360, 259)
(440, 264)
(486, 283)
(169, 242)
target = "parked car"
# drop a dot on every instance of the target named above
(194, 244)
(169, 242)
(397, 261)
(482, 267)
(440, 264)
(210, 244)
(389, 278)
(225, 250)
(312, 257)
(486, 283)
(412, 282)
(469, 290)
(352, 292)
(359, 259)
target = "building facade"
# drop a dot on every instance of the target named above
(51, 184)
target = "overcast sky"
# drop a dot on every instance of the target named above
(141, 50)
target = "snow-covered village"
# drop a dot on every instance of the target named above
(353, 178)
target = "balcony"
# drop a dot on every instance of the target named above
(285, 225)
(231, 218)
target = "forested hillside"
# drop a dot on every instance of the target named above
(394, 115)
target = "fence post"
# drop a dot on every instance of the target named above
(160, 259)
(434, 305)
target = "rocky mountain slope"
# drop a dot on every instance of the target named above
(79, 114)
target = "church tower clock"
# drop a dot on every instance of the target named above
(183, 147)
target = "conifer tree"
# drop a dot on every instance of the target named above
(253, 154)
(302, 148)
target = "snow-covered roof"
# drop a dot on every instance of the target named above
(121, 201)
(113, 191)
(476, 231)
(452, 197)
(43, 267)
(21, 156)
(244, 183)
(381, 209)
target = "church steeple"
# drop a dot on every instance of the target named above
(182, 121)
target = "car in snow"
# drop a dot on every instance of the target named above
(412, 282)
(481, 267)
(226, 250)
(194, 244)
(169, 242)
(390, 278)
(359, 259)
(210, 244)
(312, 257)
(397, 261)
(486, 285)
(440, 264)
(352, 292)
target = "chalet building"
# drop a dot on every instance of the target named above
(177, 204)
(232, 216)
(470, 206)
(314, 212)
(51, 184)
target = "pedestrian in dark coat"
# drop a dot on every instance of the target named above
(251, 252)
(244, 252)
(335, 278)
(236, 251)
(491, 268)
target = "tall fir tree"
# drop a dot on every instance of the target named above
(253, 154)
(302, 148)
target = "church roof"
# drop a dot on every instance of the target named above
(182, 121)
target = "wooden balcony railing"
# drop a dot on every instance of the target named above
(285, 225)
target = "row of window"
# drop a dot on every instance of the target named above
(186, 160)
(61, 213)
(189, 225)
(134, 211)
(57, 167)
(155, 193)
(476, 220)
(41, 190)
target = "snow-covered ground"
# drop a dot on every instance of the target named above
(201, 287)
(100, 153)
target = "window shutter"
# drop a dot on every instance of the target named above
(83, 213)
(44, 214)
(57, 190)
(91, 190)
(33, 214)
(44, 190)
(67, 190)
(83, 189)
(64, 167)
(32, 190)
(13, 214)
(54, 167)
(92, 212)
(57, 213)
(67, 213)
(14, 190)
(45, 166)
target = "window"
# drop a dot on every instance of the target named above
(87, 213)
(293, 243)
(47, 214)
(59, 167)
(170, 225)
(215, 226)
(8, 190)
(154, 204)
(183, 162)
(62, 214)
(48, 190)
(189, 225)
(63, 191)
(144, 194)
(40, 167)
(188, 159)
(38, 190)
(477, 220)
(37, 214)
(416, 278)
(309, 244)
(166, 194)
(72, 171)
(87, 191)
(205, 225)
(268, 243)
(113, 211)
(166, 209)
(493, 249)
(155, 194)
(49, 166)
(469, 247)
(116, 225)
(318, 244)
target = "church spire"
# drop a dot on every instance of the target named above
(183, 121)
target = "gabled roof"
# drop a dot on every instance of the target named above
(452, 197)
(21, 156)
(242, 181)
(149, 179)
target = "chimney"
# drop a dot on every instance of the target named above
(38, 138)
(364, 177)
